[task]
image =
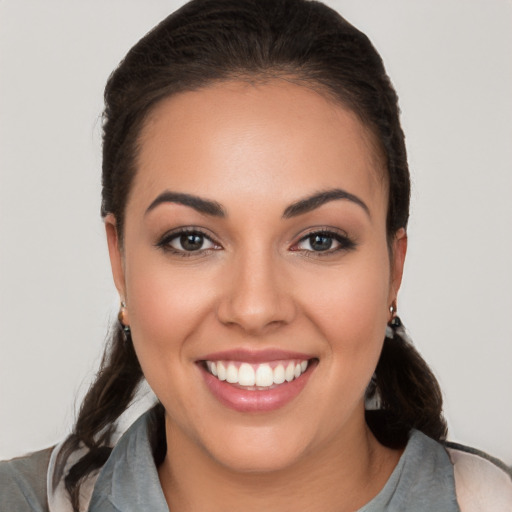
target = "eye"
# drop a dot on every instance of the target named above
(187, 241)
(324, 242)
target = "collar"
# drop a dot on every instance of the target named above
(128, 481)
(422, 481)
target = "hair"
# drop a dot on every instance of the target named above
(212, 41)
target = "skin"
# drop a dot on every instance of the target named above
(256, 149)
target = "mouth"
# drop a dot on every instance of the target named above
(248, 382)
(257, 377)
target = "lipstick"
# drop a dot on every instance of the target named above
(256, 381)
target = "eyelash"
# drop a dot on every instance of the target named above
(345, 243)
(168, 238)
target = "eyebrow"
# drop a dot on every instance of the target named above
(213, 208)
(205, 206)
(315, 201)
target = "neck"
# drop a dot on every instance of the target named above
(344, 474)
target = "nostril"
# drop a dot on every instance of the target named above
(256, 313)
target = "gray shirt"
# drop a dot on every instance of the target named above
(422, 481)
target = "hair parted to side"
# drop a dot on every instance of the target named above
(210, 41)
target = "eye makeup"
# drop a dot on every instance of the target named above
(187, 241)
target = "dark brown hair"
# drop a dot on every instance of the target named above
(209, 41)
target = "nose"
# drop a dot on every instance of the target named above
(258, 296)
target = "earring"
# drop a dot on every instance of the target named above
(395, 326)
(122, 320)
(395, 319)
(394, 322)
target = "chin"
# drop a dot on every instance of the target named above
(260, 460)
(258, 450)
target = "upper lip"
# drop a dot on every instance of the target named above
(255, 356)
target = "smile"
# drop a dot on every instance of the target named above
(256, 382)
(256, 377)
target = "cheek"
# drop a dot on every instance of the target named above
(166, 307)
(163, 298)
(349, 307)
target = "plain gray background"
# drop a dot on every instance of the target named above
(450, 61)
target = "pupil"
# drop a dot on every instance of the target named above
(191, 242)
(321, 242)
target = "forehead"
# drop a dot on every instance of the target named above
(263, 140)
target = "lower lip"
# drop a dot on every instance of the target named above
(243, 400)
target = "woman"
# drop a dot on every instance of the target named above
(255, 196)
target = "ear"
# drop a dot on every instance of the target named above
(116, 255)
(399, 250)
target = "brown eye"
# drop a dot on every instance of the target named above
(191, 241)
(187, 242)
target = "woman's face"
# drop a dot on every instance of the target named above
(255, 249)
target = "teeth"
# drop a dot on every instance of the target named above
(264, 376)
(279, 374)
(232, 374)
(289, 372)
(259, 375)
(221, 371)
(246, 375)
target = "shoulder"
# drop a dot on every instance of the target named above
(482, 483)
(23, 482)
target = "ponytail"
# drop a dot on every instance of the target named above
(408, 392)
(108, 397)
